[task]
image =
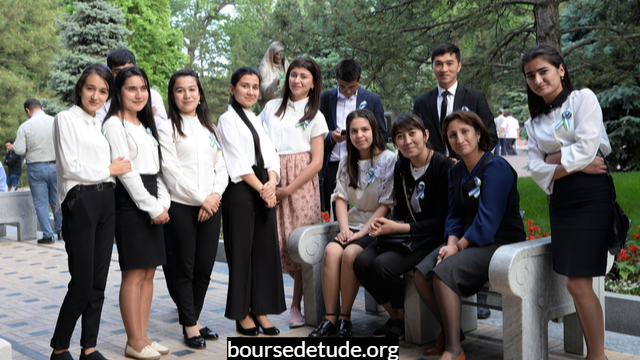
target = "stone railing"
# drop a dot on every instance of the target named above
(16, 207)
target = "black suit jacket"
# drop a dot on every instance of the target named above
(426, 107)
(328, 104)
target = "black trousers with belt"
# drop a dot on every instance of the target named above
(253, 254)
(381, 272)
(88, 227)
(194, 246)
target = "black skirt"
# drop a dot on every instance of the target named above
(140, 243)
(581, 216)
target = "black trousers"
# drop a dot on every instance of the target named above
(511, 148)
(381, 272)
(328, 185)
(88, 227)
(194, 246)
(253, 254)
(168, 268)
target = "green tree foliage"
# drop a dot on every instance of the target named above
(156, 44)
(27, 46)
(94, 29)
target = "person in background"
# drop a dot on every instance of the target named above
(85, 176)
(14, 166)
(512, 132)
(35, 142)
(501, 146)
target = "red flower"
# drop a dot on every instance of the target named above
(622, 256)
(325, 216)
(634, 250)
(529, 222)
(544, 234)
(635, 235)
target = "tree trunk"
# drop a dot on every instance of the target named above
(548, 29)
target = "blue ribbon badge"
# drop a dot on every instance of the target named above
(303, 124)
(372, 176)
(363, 105)
(475, 192)
(420, 192)
(566, 116)
(155, 142)
(104, 133)
(214, 142)
(465, 108)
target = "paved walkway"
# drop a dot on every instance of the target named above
(33, 281)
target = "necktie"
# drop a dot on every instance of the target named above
(443, 108)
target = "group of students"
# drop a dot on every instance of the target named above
(127, 175)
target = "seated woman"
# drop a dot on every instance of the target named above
(420, 186)
(483, 214)
(364, 179)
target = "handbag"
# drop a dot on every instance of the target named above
(402, 243)
(621, 223)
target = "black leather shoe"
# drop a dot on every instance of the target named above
(267, 331)
(62, 356)
(254, 331)
(60, 236)
(208, 334)
(483, 313)
(325, 328)
(196, 342)
(47, 241)
(344, 328)
(93, 356)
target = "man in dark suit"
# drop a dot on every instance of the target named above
(445, 62)
(336, 104)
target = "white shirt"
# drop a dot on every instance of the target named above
(237, 145)
(369, 196)
(450, 97)
(34, 139)
(137, 145)
(82, 152)
(156, 100)
(511, 128)
(500, 124)
(192, 166)
(288, 137)
(344, 107)
(417, 174)
(579, 143)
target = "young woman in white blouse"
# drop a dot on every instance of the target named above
(141, 206)
(297, 129)
(565, 134)
(196, 175)
(364, 179)
(85, 198)
(250, 230)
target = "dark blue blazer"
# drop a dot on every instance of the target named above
(328, 104)
(426, 107)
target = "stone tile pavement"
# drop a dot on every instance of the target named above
(33, 281)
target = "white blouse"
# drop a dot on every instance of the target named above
(579, 141)
(192, 166)
(237, 145)
(288, 134)
(136, 144)
(82, 152)
(371, 192)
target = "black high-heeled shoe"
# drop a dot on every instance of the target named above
(246, 332)
(267, 331)
(196, 342)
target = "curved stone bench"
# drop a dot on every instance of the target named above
(16, 207)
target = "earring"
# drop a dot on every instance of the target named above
(198, 102)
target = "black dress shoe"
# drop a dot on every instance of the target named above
(267, 331)
(196, 342)
(62, 356)
(254, 331)
(325, 328)
(60, 236)
(344, 328)
(483, 313)
(47, 241)
(208, 334)
(93, 356)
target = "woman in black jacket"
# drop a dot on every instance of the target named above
(420, 186)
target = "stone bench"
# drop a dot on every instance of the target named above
(5, 349)
(16, 207)
(529, 293)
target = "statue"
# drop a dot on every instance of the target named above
(272, 65)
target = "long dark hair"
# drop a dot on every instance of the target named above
(552, 55)
(99, 69)
(353, 154)
(406, 122)
(235, 78)
(313, 105)
(145, 116)
(202, 110)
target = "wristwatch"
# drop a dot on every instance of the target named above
(460, 248)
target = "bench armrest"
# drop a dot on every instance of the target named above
(307, 243)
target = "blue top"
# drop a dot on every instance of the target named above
(494, 191)
(3, 180)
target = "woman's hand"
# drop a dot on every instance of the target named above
(119, 166)
(268, 190)
(271, 202)
(597, 166)
(382, 226)
(357, 235)
(211, 204)
(163, 218)
(446, 251)
(282, 193)
(203, 215)
(343, 236)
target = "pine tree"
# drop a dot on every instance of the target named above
(88, 35)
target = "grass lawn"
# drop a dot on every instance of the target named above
(533, 201)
